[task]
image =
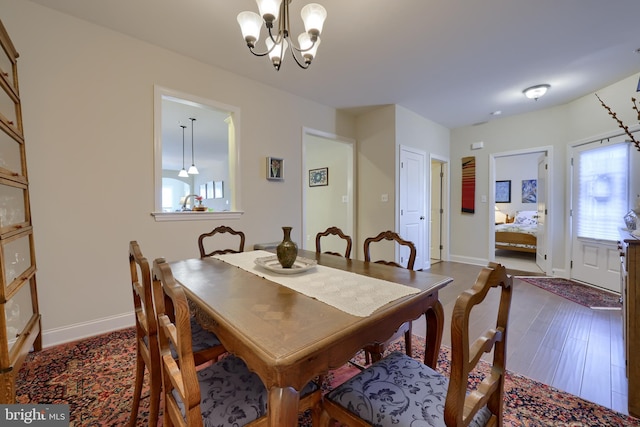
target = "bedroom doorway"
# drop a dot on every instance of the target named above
(526, 174)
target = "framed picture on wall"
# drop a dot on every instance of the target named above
(275, 169)
(218, 190)
(318, 177)
(503, 191)
(529, 190)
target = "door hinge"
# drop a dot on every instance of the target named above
(441, 247)
(545, 257)
(571, 264)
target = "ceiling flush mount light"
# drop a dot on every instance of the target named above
(535, 92)
(193, 170)
(183, 172)
(278, 40)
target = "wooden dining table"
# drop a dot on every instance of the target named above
(288, 338)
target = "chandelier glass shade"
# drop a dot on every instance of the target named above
(183, 172)
(278, 39)
(193, 170)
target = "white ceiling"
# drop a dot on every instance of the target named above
(451, 61)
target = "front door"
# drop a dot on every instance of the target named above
(599, 202)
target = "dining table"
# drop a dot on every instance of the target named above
(291, 327)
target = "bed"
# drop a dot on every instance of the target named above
(520, 235)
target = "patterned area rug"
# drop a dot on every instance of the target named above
(95, 377)
(585, 295)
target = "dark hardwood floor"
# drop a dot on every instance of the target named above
(550, 339)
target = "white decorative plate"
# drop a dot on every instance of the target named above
(272, 264)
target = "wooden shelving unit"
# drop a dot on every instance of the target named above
(629, 246)
(20, 329)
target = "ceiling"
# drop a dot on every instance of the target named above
(451, 61)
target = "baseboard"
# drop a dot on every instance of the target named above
(57, 336)
(560, 272)
(469, 260)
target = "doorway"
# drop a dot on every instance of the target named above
(332, 203)
(529, 177)
(437, 210)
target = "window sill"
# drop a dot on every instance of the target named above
(195, 216)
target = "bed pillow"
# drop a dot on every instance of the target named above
(526, 218)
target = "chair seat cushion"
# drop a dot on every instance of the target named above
(201, 338)
(398, 391)
(232, 395)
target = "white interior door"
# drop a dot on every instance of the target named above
(541, 232)
(413, 194)
(599, 202)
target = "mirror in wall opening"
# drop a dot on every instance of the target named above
(198, 150)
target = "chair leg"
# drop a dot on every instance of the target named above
(155, 390)
(137, 391)
(407, 341)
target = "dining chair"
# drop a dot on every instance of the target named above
(207, 345)
(335, 231)
(391, 236)
(224, 393)
(220, 230)
(402, 391)
(374, 352)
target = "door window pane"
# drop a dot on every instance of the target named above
(602, 191)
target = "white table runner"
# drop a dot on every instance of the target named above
(352, 293)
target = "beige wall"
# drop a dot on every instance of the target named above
(87, 97)
(558, 127)
(381, 132)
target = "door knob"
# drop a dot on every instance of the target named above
(421, 217)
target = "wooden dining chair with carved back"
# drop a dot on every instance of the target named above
(374, 352)
(334, 231)
(402, 391)
(225, 392)
(207, 345)
(223, 229)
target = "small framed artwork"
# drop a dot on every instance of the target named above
(209, 190)
(275, 169)
(529, 191)
(503, 191)
(218, 190)
(318, 177)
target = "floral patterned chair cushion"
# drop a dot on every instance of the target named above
(231, 395)
(398, 391)
(201, 339)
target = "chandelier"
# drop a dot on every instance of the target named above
(278, 40)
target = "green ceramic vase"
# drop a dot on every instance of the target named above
(287, 250)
